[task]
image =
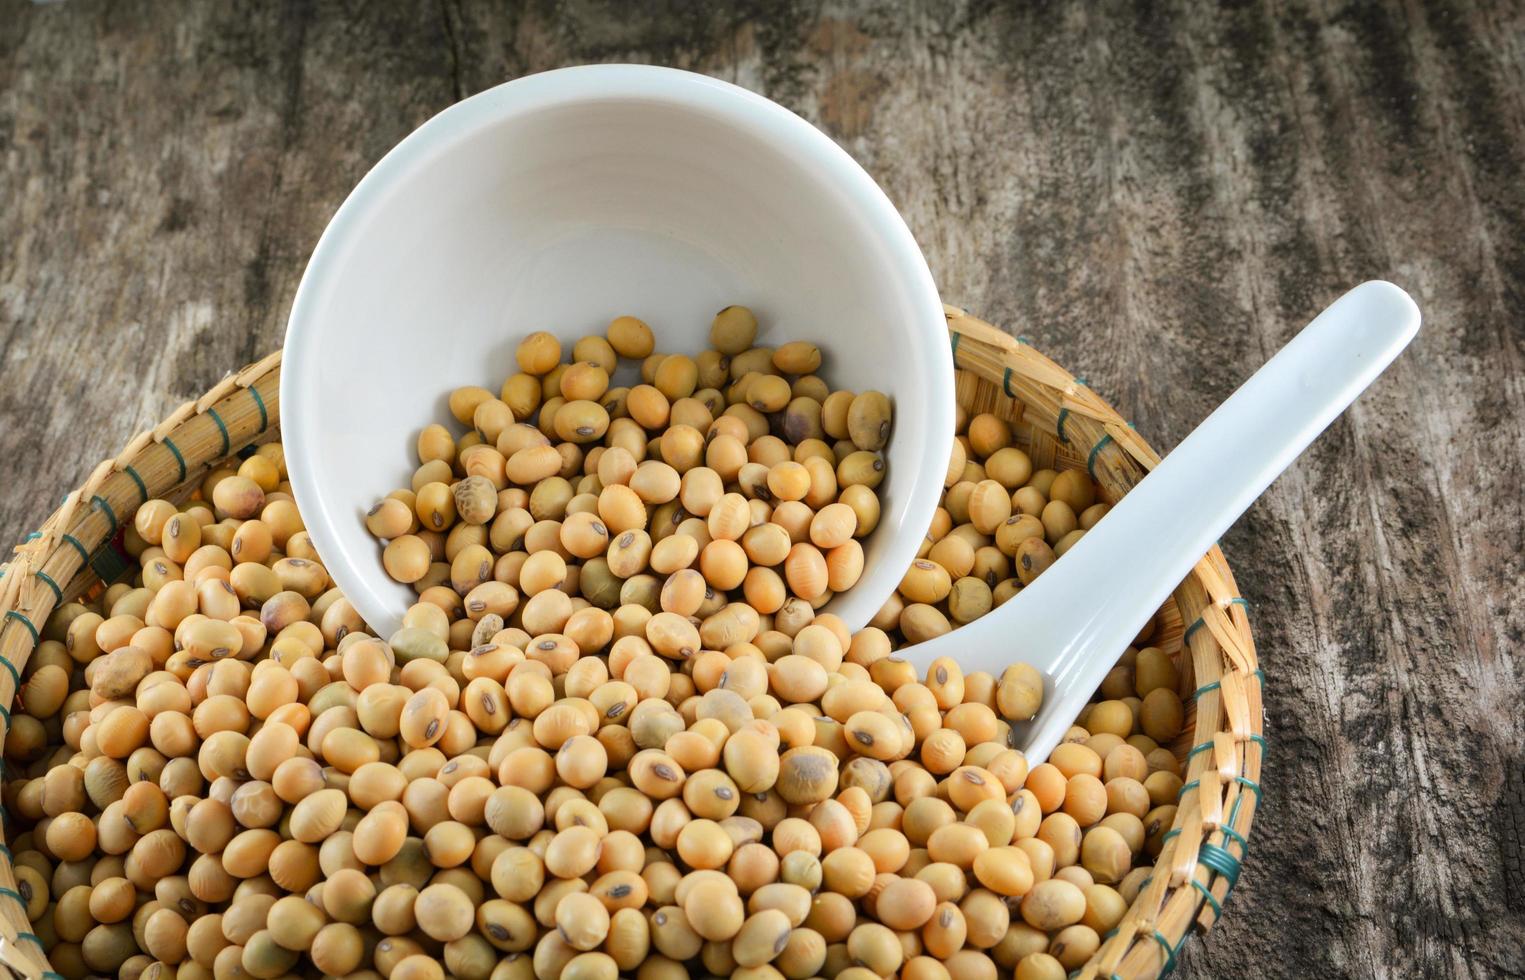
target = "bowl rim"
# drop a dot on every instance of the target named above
(564, 87)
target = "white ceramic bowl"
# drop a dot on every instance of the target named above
(559, 201)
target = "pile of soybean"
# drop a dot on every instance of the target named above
(214, 771)
(711, 480)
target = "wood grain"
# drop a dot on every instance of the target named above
(1159, 195)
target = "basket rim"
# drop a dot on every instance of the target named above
(79, 545)
(1207, 842)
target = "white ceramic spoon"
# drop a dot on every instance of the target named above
(1075, 620)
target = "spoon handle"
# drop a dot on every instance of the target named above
(1074, 621)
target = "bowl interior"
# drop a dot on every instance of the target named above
(559, 201)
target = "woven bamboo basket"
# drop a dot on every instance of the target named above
(1056, 419)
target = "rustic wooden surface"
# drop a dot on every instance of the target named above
(1158, 196)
